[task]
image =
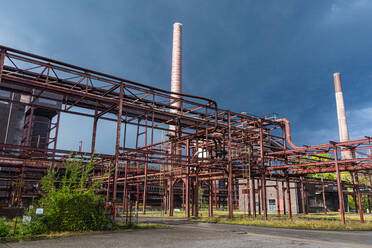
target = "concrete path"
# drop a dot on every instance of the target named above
(184, 234)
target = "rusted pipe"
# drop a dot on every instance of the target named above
(288, 132)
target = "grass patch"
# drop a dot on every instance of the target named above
(117, 227)
(295, 223)
(314, 221)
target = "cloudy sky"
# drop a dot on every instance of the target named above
(250, 56)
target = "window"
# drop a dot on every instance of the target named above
(272, 206)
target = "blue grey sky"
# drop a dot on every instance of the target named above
(253, 56)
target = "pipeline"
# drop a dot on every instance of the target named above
(288, 132)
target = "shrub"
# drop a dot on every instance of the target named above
(70, 201)
(36, 226)
(4, 228)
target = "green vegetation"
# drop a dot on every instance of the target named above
(295, 223)
(4, 228)
(331, 221)
(70, 204)
(19, 236)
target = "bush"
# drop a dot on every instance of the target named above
(74, 211)
(4, 228)
(70, 202)
(36, 226)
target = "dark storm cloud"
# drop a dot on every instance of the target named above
(252, 56)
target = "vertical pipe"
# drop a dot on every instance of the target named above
(339, 187)
(341, 116)
(117, 145)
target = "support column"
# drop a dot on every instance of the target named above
(249, 196)
(303, 196)
(95, 122)
(289, 198)
(196, 196)
(283, 197)
(369, 196)
(259, 196)
(230, 176)
(253, 190)
(125, 191)
(210, 198)
(2, 59)
(117, 146)
(339, 187)
(215, 194)
(187, 210)
(359, 198)
(144, 196)
(170, 197)
(263, 179)
(277, 198)
(354, 192)
(323, 194)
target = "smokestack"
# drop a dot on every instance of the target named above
(342, 124)
(176, 77)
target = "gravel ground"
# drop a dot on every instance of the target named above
(185, 234)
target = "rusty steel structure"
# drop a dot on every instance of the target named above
(208, 145)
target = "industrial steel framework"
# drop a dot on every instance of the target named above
(204, 145)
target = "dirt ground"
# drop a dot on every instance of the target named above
(184, 234)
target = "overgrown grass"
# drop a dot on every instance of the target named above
(335, 216)
(314, 221)
(294, 223)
